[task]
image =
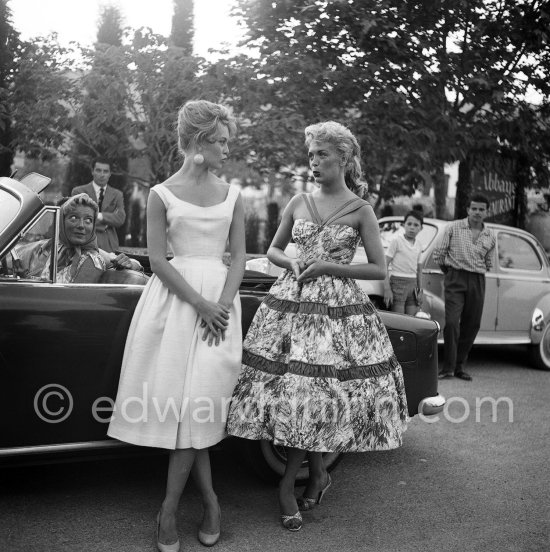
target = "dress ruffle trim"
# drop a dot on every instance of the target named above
(319, 370)
(305, 307)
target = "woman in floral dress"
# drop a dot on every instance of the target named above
(319, 373)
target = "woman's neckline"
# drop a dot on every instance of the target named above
(326, 225)
(194, 204)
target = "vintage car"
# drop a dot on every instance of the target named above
(517, 297)
(61, 347)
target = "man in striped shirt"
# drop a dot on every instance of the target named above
(465, 254)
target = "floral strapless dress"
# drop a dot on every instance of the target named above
(319, 372)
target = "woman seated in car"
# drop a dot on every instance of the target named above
(78, 258)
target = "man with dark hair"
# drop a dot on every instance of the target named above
(465, 254)
(110, 201)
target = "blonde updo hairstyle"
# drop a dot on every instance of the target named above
(346, 144)
(198, 120)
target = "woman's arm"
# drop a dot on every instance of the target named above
(276, 253)
(236, 270)
(374, 269)
(112, 260)
(238, 255)
(214, 315)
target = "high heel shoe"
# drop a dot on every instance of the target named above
(165, 547)
(288, 521)
(305, 503)
(210, 539)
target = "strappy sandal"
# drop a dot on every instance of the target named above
(305, 503)
(288, 521)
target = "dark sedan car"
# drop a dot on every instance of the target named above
(61, 346)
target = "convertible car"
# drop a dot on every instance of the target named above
(61, 347)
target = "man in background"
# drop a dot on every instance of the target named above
(464, 254)
(110, 201)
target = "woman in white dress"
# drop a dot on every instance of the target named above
(184, 345)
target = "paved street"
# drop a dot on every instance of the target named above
(481, 484)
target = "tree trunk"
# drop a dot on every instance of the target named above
(272, 222)
(440, 193)
(6, 153)
(522, 180)
(463, 188)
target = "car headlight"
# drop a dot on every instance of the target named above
(422, 314)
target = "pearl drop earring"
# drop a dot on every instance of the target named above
(198, 158)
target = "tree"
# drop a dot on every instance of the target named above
(182, 33)
(422, 83)
(40, 98)
(109, 29)
(99, 111)
(9, 41)
(162, 79)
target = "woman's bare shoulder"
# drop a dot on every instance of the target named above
(296, 200)
(365, 214)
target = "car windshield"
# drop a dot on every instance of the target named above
(390, 229)
(9, 207)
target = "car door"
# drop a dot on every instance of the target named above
(523, 279)
(61, 348)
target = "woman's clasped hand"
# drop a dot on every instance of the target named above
(313, 269)
(306, 271)
(215, 318)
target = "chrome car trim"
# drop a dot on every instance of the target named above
(101, 286)
(514, 339)
(63, 447)
(35, 283)
(431, 405)
(54, 250)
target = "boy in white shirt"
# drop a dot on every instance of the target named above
(403, 285)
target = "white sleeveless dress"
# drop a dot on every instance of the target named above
(174, 389)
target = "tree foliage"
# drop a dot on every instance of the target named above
(99, 106)
(9, 42)
(110, 26)
(161, 80)
(183, 32)
(422, 83)
(40, 97)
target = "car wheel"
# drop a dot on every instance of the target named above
(540, 353)
(269, 461)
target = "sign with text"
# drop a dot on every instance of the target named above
(500, 190)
